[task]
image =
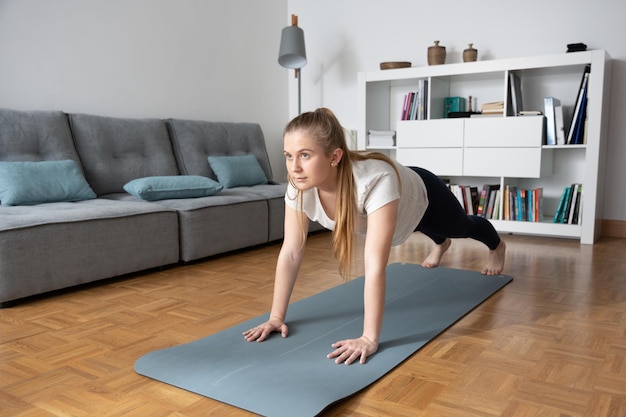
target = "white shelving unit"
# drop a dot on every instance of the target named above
(505, 149)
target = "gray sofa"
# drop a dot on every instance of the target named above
(54, 245)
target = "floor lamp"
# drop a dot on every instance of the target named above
(292, 52)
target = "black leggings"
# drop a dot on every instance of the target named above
(446, 218)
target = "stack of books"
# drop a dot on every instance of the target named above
(495, 107)
(569, 209)
(381, 138)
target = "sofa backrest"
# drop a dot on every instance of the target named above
(195, 140)
(115, 151)
(33, 136)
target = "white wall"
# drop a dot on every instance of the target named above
(216, 59)
(212, 60)
(348, 36)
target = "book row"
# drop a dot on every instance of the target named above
(569, 209)
(491, 202)
(415, 104)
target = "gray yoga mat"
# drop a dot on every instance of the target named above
(292, 376)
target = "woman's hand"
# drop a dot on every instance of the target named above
(348, 351)
(262, 331)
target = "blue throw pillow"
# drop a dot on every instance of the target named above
(237, 171)
(27, 183)
(175, 186)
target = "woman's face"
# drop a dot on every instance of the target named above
(307, 163)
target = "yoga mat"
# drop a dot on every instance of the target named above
(292, 376)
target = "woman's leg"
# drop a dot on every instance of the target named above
(445, 218)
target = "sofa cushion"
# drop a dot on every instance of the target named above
(35, 136)
(57, 245)
(115, 151)
(195, 140)
(25, 183)
(237, 171)
(175, 186)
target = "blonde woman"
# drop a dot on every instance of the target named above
(365, 193)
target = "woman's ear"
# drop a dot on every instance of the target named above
(337, 155)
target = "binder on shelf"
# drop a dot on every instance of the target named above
(514, 101)
(549, 105)
(578, 137)
(559, 127)
(578, 105)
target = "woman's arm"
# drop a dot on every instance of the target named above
(381, 225)
(287, 267)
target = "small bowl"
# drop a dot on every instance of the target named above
(394, 65)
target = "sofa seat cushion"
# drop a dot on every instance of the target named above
(115, 151)
(16, 217)
(58, 245)
(23, 183)
(175, 186)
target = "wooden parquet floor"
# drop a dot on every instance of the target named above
(550, 344)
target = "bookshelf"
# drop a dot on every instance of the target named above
(502, 149)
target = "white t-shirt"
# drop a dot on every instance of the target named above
(377, 185)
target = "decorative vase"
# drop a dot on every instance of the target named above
(470, 54)
(436, 54)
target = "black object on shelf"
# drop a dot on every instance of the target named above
(576, 47)
(457, 114)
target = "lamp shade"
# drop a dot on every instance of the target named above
(292, 52)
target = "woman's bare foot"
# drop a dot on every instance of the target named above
(495, 260)
(435, 255)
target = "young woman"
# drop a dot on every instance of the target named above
(365, 193)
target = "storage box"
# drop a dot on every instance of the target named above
(453, 104)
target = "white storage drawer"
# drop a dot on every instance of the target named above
(496, 132)
(505, 162)
(440, 161)
(439, 133)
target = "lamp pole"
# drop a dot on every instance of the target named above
(292, 53)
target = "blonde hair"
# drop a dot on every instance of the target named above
(322, 125)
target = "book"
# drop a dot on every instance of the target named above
(560, 207)
(575, 211)
(549, 104)
(422, 91)
(514, 100)
(564, 217)
(481, 201)
(538, 204)
(496, 206)
(577, 106)
(558, 125)
(475, 197)
(493, 196)
(467, 199)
